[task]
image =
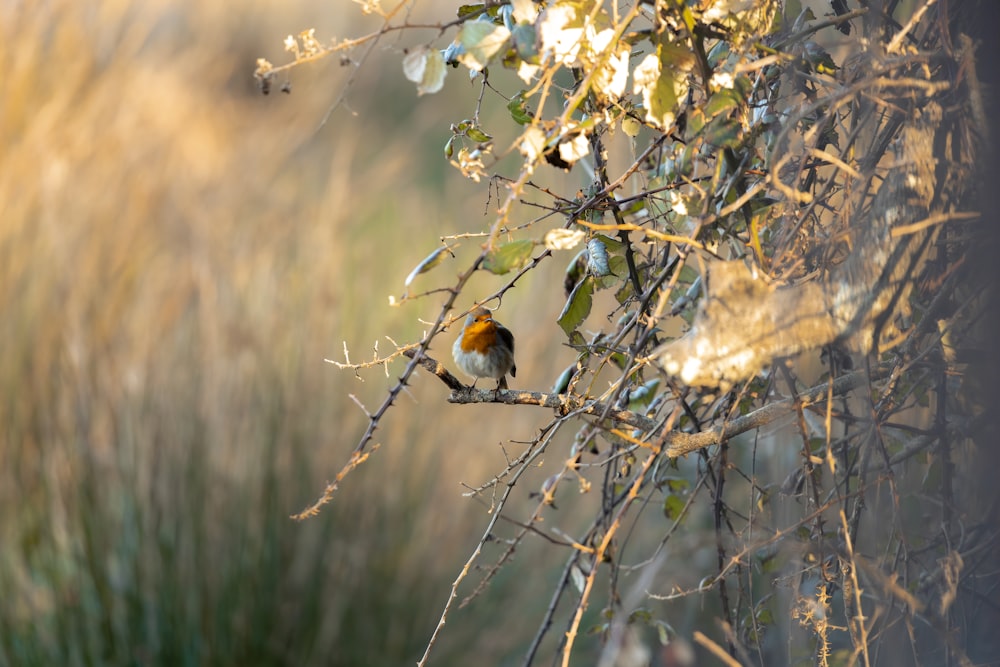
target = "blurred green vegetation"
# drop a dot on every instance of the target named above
(178, 254)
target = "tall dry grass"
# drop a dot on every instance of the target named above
(177, 256)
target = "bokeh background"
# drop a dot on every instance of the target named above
(178, 255)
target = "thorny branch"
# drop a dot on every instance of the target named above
(675, 443)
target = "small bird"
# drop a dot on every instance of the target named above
(485, 348)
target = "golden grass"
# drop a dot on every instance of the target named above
(177, 256)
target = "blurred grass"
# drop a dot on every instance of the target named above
(177, 256)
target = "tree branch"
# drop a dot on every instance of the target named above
(675, 443)
(564, 403)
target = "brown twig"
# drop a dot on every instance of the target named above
(565, 403)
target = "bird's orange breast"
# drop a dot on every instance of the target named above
(479, 337)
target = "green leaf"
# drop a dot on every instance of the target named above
(640, 398)
(428, 263)
(562, 383)
(630, 126)
(663, 632)
(688, 17)
(598, 255)
(742, 87)
(659, 91)
(718, 53)
(614, 246)
(685, 164)
(577, 341)
(579, 580)
(469, 10)
(526, 43)
(661, 77)
(765, 616)
(577, 306)
(673, 506)
(477, 134)
(696, 121)
(466, 11)
(725, 100)
(619, 266)
(575, 270)
(598, 629)
(792, 9)
(640, 615)
(688, 275)
(508, 256)
(677, 484)
(518, 111)
(625, 293)
(723, 132)
(618, 269)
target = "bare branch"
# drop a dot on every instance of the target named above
(676, 443)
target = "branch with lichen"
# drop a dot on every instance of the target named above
(675, 443)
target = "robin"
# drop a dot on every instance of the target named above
(485, 349)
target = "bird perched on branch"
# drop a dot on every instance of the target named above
(485, 348)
